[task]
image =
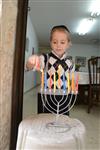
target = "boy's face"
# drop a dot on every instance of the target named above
(59, 42)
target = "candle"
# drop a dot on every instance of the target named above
(45, 80)
(42, 79)
(68, 81)
(77, 79)
(54, 82)
(50, 81)
(37, 65)
(73, 83)
(59, 73)
(64, 85)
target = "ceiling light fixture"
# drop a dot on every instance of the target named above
(85, 26)
(95, 8)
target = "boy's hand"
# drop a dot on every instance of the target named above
(33, 62)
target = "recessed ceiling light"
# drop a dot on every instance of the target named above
(85, 26)
(95, 8)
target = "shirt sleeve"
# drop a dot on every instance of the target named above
(42, 63)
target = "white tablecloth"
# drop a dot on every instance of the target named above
(35, 134)
(83, 78)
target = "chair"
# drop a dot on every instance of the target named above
(94, 82)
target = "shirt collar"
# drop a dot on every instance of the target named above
(63, 57)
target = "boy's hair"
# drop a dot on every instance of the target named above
(60, 28)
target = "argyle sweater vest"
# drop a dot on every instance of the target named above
(52, 63)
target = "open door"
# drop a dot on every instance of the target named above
(18, 71)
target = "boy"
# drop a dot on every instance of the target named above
(60, 41)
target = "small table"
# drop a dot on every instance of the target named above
(34, 134)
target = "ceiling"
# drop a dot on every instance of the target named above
(47, 13)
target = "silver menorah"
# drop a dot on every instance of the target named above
(60, 101)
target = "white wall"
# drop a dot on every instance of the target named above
(84, 50)
(30, 76)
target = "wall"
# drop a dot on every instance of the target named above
(84, 50)
(7, 41)
(99, 50)
(30, 79)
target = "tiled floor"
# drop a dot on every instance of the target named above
(91, 121)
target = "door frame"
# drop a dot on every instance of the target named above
(18, 71)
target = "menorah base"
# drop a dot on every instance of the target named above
(58, 127)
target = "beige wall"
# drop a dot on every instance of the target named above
(7, 41)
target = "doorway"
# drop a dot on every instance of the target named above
(18, 71)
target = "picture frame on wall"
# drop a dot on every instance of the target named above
(70, 57)
(93, 56)
(80, 60)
